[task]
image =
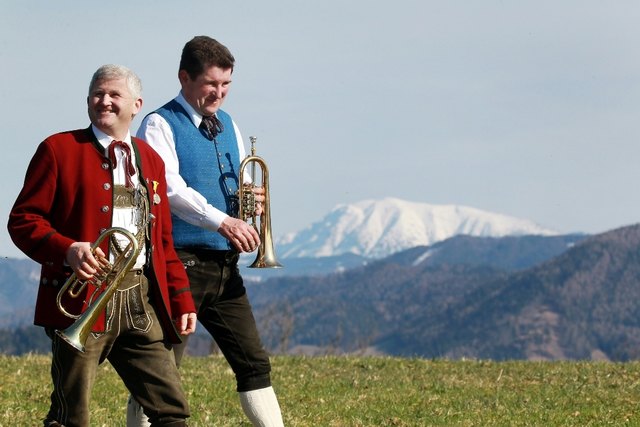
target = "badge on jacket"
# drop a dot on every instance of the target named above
(156, 196)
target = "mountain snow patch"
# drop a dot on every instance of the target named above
(379, 228)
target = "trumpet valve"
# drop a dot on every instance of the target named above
(248, 202)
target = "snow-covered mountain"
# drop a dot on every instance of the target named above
(378, 228)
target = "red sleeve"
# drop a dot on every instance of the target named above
(29, 220)
(180, 297)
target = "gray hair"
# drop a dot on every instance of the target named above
(112, 72)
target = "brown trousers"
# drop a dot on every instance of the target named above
(134, 345)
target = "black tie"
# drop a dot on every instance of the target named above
(129, 169)
(211, 126)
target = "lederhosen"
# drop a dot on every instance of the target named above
(133, 342)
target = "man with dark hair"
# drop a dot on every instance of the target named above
(202, 148)
(79, 184)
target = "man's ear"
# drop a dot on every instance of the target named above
(138, 106)
(183, 76)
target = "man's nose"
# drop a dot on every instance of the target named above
(218, 90)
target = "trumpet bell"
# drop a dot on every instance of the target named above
(76, 334)
(265, 263)
(266, 257)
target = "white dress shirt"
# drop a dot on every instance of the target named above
(126, 218)
(187, 203)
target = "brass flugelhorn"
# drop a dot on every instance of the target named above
(106, 280)
(266, 257)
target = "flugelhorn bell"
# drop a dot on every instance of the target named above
(76, 334)
(266, 257)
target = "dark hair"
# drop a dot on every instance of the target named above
(202, 52)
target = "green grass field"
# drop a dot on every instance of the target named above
(367, 391)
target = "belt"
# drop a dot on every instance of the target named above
(227, 257)
(131, 279)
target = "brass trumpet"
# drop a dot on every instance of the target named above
(109, 279)
(266, 257)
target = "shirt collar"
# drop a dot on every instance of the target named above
(195, 117)
(105, 140)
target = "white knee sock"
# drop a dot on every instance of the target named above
(135, 414)
(261, 407)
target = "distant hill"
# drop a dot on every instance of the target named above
(379, 228)
(400, 304)
(510, 253)
(18, 288)
(581, 304)
(507, 253)
(291, 309)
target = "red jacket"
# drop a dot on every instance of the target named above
(67, 197)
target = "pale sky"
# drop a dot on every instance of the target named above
(524, 108)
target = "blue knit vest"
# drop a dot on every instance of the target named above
(212, 172)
